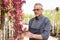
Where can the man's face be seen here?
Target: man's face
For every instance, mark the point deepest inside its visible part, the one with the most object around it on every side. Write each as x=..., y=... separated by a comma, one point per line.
x=38, y=10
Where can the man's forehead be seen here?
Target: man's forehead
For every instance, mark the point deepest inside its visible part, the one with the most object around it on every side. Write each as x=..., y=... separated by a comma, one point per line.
x=37, y=6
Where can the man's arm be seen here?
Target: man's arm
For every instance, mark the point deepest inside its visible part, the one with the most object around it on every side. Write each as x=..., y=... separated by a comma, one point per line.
x=37, y=36
x=47, y=29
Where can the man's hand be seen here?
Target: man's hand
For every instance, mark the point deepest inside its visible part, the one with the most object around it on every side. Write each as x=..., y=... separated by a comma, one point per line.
x=29, y=34
x=36, y=36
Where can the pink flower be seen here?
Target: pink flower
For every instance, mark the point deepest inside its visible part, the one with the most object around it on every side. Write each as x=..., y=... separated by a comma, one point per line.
x=6, y=3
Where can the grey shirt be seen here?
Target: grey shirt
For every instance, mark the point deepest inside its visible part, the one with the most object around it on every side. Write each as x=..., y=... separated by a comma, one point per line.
x=41, y=26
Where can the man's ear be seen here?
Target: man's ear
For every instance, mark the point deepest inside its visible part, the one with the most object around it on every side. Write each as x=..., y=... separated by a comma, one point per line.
x=42, y=10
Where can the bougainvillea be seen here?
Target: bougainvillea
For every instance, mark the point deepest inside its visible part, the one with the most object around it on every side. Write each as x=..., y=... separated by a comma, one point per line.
x=16, y=15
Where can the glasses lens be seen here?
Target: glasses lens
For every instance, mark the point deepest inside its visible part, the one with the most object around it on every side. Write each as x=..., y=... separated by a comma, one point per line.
x=36, y=9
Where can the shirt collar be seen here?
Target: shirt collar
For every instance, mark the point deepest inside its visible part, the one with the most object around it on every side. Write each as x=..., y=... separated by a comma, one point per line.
x=39, y=17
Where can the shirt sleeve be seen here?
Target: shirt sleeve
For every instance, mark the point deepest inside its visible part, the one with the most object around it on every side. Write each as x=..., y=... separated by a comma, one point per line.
x=30, y=23
x=46, y=30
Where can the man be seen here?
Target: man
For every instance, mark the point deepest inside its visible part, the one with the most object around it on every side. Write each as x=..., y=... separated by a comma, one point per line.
x=39, y=26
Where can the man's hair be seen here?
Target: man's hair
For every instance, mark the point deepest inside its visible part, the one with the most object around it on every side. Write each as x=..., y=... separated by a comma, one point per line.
x=38, y=4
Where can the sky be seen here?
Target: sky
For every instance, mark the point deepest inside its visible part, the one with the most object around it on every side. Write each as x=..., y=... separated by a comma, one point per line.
x=47, y=5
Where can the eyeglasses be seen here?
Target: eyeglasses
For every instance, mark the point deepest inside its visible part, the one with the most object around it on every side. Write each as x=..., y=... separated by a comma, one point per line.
x=37, y=9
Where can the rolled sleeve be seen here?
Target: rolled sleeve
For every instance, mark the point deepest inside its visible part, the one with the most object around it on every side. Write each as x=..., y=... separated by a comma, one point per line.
x=46, y=30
